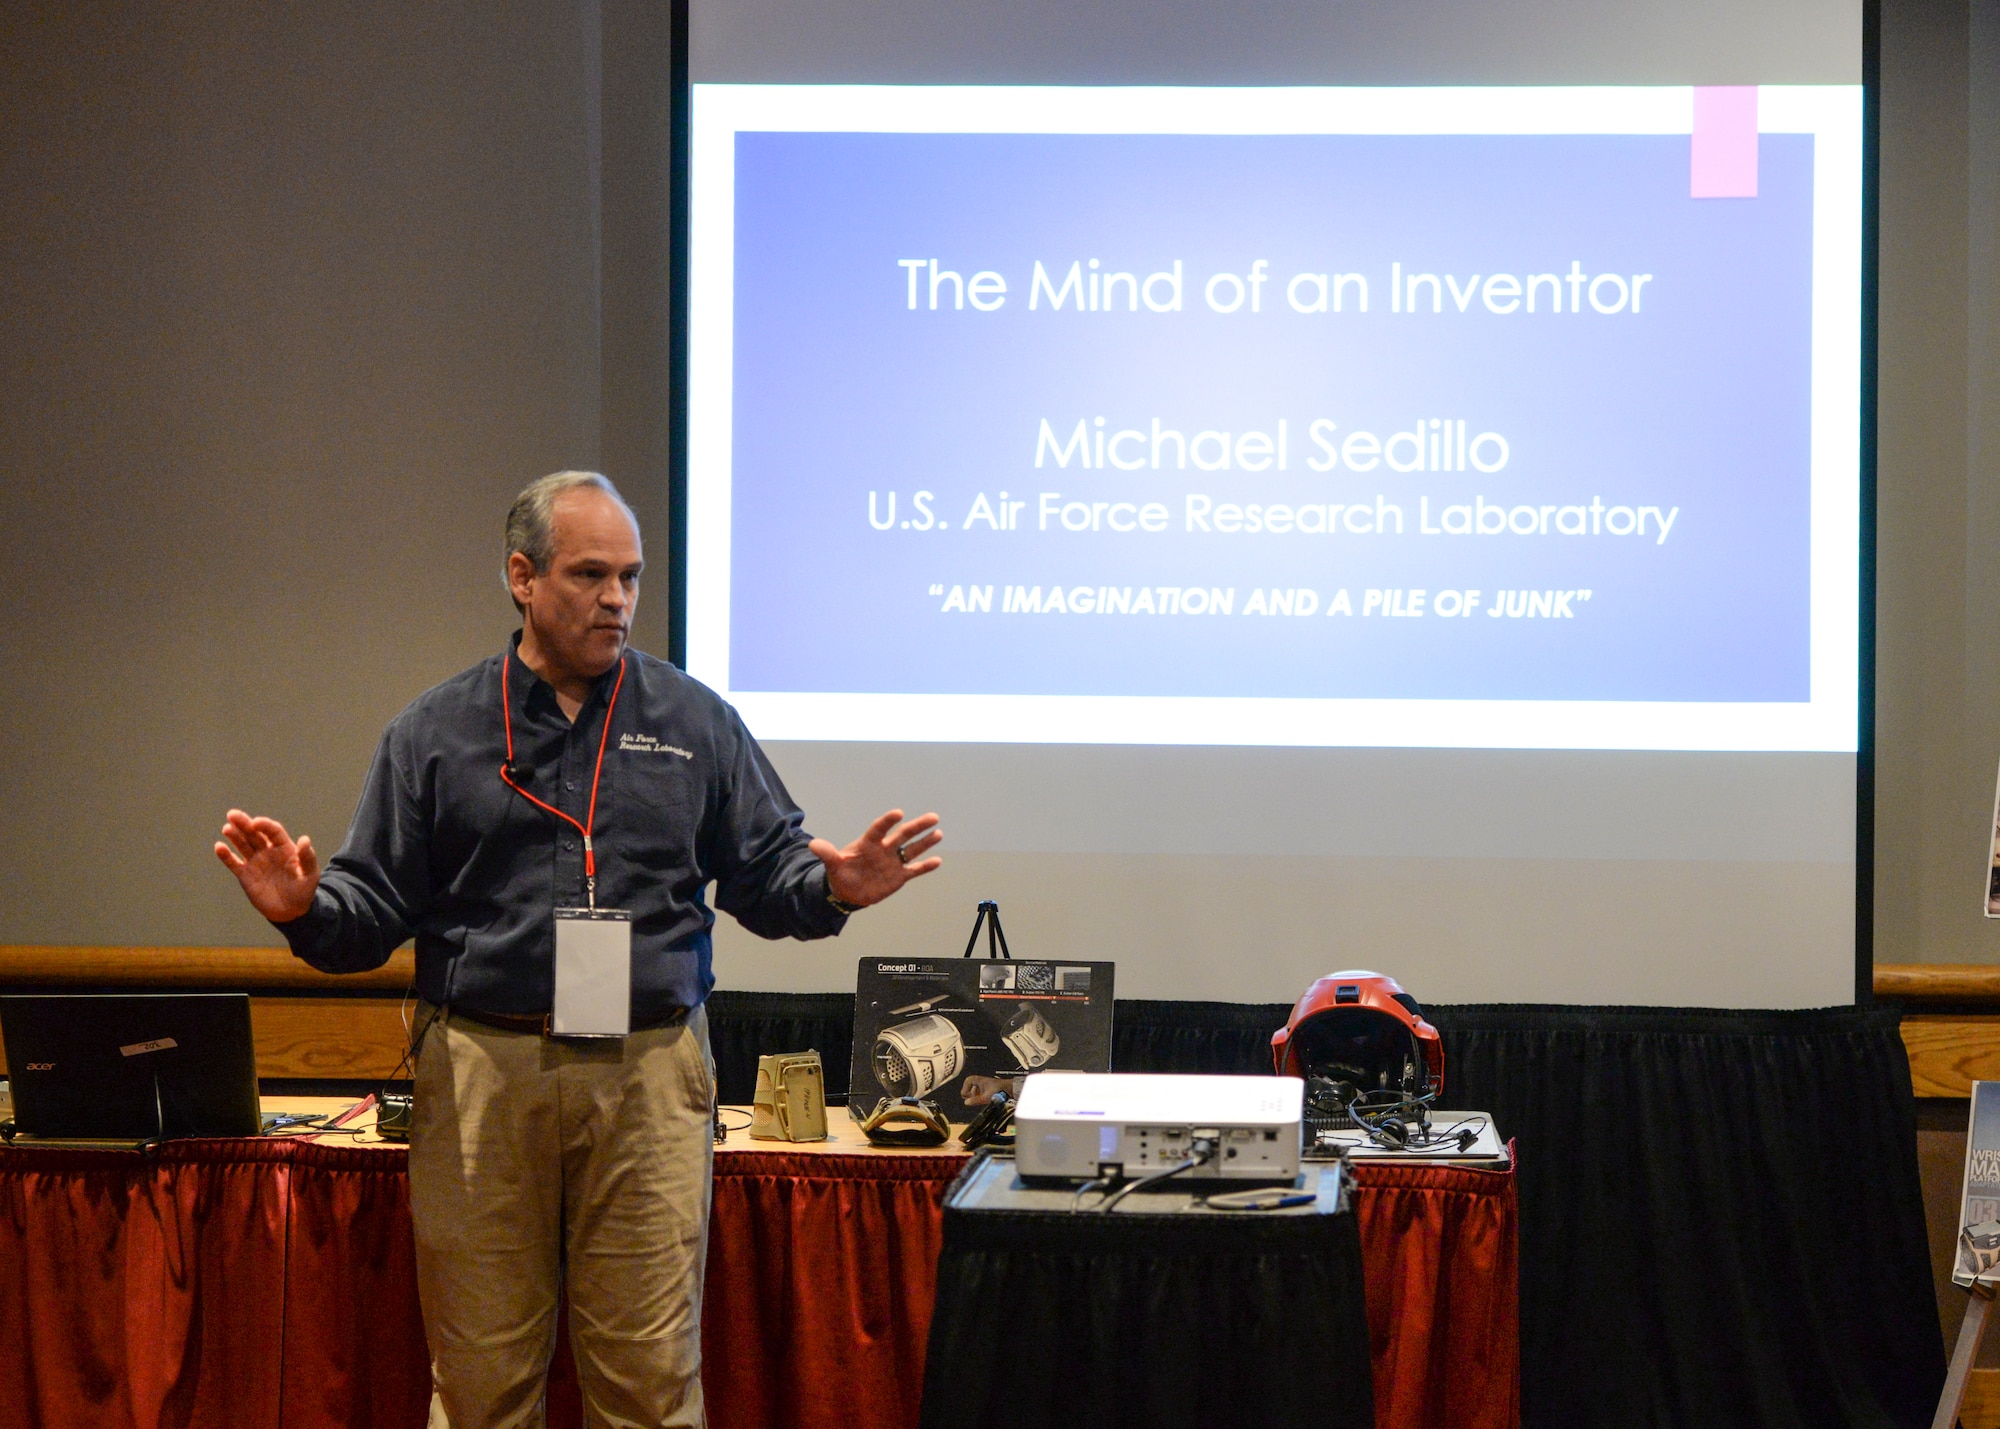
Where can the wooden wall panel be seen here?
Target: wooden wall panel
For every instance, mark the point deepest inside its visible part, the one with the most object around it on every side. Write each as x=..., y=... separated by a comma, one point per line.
x=324, y=1038
x=1981, y=1407
x=1949, y=1054
x=328, y=1037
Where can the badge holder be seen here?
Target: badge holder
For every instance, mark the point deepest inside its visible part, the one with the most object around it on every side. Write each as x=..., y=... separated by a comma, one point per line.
x=593, y=973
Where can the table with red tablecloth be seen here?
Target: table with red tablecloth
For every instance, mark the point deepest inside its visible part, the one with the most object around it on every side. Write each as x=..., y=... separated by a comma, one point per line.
x=272, y=1283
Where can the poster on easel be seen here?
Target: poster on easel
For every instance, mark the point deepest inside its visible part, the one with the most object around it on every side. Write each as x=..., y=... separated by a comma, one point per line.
x=1978, y=1255
x=957, y=1030
x=961, y=1031
x=1993, y=858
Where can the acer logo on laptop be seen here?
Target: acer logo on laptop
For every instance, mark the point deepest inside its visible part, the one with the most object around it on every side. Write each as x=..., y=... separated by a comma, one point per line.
x=39, y=1067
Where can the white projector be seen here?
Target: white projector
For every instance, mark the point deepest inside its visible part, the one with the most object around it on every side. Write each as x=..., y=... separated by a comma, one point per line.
x=1084, y=1124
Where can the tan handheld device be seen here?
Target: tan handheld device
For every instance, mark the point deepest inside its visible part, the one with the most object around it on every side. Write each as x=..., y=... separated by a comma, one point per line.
x=790, y=1102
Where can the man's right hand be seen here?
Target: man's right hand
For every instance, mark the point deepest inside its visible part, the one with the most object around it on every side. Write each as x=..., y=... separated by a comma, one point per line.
x=278, y=876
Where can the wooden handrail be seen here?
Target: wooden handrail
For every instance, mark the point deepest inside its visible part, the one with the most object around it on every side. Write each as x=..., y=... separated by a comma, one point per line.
x=44, y=965
x=53, y=965
x=300, y=1034
x=1938, y=982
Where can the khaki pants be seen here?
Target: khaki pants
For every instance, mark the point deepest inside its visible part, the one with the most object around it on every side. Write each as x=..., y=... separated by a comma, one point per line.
x=539, y=1164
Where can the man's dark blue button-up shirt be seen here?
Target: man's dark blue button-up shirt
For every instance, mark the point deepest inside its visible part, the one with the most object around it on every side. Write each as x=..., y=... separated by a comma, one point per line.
x=441, y=848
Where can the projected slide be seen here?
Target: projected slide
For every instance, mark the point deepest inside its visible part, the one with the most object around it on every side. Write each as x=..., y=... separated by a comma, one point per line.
x=1315, y=417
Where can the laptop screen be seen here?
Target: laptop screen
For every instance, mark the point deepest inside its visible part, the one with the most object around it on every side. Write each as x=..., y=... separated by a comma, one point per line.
x=131, y=1065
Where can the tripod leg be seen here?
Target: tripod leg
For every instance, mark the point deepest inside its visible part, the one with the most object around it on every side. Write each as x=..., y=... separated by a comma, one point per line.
x=996, y=941
x=978, y=922
x=1971, y=1330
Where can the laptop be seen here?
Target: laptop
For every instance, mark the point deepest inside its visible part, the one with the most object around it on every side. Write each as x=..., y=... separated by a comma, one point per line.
x=137, y=1067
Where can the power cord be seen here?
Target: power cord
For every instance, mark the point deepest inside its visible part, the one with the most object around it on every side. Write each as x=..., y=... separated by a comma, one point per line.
x=723, y=1128
x=413, y=1041
x=1461, y=1134
x=394, y=1111
x=1396, y=1122
x=1109, y=1175
x=334, y=1123
x=1201, y=1151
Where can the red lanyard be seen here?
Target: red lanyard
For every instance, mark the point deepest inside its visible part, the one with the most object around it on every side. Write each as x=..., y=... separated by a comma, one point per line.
x=507, y=777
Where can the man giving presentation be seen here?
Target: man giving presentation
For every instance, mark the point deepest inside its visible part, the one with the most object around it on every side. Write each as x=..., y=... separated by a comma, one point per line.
x=539, y=824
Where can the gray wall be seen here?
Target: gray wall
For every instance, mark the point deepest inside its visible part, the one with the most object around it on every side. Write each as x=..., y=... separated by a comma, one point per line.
x=295, y=299
x=1255, y=42
x=1938, y=622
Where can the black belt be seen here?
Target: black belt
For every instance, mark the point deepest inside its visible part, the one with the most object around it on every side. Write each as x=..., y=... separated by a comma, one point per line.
x=538, y=1023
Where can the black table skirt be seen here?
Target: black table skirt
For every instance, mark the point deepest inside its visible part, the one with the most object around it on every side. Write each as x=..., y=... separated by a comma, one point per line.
x=1721, y=1222
x=1148, y=1321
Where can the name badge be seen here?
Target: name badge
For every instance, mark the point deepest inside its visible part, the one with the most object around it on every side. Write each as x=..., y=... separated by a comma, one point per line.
x=593, y=973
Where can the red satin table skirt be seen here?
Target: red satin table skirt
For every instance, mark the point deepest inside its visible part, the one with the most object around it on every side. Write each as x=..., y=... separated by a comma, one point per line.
x=272, y=1283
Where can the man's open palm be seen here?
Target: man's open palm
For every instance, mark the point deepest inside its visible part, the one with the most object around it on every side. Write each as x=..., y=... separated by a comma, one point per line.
x=278, y=875
x=883, y=859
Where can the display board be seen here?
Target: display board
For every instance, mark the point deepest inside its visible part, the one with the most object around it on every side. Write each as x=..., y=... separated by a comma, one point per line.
x=1412, y=494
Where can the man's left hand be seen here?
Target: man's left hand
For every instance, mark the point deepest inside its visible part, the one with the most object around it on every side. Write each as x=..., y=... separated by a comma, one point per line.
x=883, y=859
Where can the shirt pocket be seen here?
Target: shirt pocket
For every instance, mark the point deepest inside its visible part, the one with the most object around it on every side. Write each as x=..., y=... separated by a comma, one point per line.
x=661, y=803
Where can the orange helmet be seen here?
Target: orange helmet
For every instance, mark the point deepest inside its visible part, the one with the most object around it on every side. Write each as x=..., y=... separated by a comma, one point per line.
x=1360, y=1031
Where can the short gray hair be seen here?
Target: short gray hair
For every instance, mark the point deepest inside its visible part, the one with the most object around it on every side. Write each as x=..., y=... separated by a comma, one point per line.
x=531, y=526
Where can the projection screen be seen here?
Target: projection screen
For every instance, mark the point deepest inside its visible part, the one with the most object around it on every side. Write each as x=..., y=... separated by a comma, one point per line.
x=1296, y=488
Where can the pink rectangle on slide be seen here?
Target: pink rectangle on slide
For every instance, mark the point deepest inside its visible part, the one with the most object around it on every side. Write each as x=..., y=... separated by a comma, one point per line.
x=1724, y=161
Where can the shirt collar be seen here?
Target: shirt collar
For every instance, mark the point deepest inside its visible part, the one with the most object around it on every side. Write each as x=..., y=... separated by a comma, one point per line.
x=532, y=695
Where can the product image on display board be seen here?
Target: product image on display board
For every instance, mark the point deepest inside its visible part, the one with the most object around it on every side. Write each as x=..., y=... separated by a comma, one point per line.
x=959, y=1030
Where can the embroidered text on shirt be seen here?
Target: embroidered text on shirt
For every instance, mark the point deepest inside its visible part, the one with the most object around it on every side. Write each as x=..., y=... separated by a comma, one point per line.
x=647, y=744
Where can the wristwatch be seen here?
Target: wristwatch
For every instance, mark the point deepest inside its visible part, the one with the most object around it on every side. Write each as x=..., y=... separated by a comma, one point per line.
x=842, y=906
